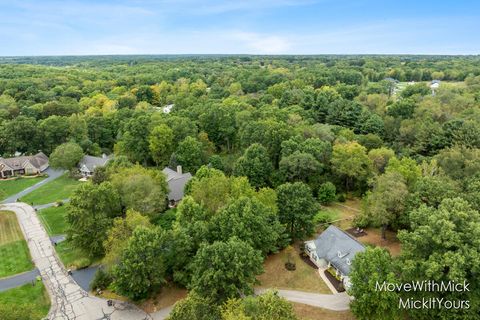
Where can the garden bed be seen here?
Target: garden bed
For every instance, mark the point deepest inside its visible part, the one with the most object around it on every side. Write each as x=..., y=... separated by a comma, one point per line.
x=334, y=281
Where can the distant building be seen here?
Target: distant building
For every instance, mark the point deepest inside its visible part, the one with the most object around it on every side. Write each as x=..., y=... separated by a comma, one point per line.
x=88, y=164
x=168, y=108
x=334, y=248
x=177, y=180
x=434, y=85
x=23, y=165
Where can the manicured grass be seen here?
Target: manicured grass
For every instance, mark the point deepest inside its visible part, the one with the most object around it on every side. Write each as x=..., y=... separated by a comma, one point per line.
x=304, y=278
x=14, y=253
x=58, y=189
x=26, y=302
x=54, y=220
x=72, y=257
x=11, y=187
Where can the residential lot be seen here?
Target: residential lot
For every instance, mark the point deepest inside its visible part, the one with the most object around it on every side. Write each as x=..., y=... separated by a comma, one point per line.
x=14, y=254
x=11, y=187
x=55, y=190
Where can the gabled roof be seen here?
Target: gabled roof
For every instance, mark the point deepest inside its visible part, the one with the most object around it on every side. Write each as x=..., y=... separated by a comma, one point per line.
x=338, y=247
x=176, y=183
x=18, y=163
x=91, y=162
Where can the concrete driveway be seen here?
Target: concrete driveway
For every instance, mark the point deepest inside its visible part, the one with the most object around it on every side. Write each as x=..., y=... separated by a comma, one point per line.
x=335, y=302
x=52, y=175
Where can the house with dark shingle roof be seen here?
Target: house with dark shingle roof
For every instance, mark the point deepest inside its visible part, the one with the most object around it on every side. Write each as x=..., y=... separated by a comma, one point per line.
x=88, y=164
x=23, y=165
x=176, y=180
x=334, y=248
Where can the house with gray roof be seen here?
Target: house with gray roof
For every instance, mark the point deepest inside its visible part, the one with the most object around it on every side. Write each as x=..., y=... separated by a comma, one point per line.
x=177, y=180
x=23, y=165
x=88, y=164
x=334, y=248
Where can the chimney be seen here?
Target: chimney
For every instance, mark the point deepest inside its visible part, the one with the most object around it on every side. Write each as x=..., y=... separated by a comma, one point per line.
x=179, y=169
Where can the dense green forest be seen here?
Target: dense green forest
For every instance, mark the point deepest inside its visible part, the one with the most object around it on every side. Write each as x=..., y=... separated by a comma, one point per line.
x=268, y=140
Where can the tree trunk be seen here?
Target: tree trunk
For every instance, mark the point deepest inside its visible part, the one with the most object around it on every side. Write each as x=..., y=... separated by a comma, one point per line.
x=384, y=230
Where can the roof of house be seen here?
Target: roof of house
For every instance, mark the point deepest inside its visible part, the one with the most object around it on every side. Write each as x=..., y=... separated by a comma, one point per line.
x=17, y=163
x=176, y=183
x=338, y=247
x=91, y=162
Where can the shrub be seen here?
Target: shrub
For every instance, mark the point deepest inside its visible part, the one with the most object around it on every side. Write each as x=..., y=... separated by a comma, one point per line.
x=324, y=216
x=101, y=280
x=342, y=197
x=327, y=192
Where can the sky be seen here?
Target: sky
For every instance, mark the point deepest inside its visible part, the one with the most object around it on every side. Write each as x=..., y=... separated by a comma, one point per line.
x=89, y=27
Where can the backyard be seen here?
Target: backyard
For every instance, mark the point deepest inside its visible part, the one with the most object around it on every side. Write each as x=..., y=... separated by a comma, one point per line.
x=58, y=189
x=11, y=187
x=26, y=302
x=14, y=253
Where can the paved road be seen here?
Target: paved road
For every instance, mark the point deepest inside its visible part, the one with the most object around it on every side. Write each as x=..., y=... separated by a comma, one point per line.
x=52, y=175
x=18, y=280
x=69, y=300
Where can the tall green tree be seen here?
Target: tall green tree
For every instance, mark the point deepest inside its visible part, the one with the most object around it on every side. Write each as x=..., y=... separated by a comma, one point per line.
x=351, y=162
x=161, y=144
x=90, y=214
x=66, y=156
x=250, y=221
x=142, y=266
x=386, y=204
x=442, y=245
x=296, y=209
x=224, y=270
x=255, y=165
x=189, y=154
x=371, y=269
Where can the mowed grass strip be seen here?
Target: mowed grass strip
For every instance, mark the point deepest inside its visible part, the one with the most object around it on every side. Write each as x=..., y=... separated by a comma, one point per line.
x=54, y=220
x=26, y=302
x=58, y=189
x=71, y=257
x=14, y=253
x=11, y=187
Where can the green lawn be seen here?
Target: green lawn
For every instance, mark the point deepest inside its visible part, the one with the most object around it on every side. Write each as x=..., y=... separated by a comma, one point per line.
x=26, y=302
x=54, y=220
x=58, y=189
x=14, y=253
x=11, y=187
x=72, y=257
